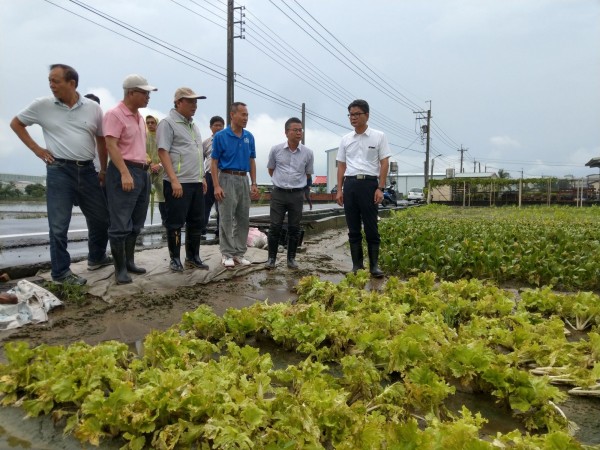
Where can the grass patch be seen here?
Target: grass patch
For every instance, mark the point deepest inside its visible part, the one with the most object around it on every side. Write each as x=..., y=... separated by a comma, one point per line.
x=68, y=293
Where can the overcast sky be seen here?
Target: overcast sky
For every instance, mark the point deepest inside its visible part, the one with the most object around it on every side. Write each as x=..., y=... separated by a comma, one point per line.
x=516, y=82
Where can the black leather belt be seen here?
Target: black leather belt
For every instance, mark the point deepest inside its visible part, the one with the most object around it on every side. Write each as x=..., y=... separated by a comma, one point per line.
x=362, y=177
x=277, y=188
x=241, y=173
x=136, y=164
x=72, y=161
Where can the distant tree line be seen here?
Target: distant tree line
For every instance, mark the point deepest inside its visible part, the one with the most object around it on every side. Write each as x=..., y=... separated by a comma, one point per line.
x=10, y=191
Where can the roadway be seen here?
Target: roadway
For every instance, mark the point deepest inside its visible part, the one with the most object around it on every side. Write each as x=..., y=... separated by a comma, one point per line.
x=24, y=231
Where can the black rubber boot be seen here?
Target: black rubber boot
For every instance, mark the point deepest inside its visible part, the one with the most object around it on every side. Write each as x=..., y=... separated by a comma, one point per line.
x=117, y=248
x=373, y=261
x=291, y=252
x=356, y=250
x=162, y=209
x=192, y=249
x=129, y=252
x=273, y=241
x=174, y=244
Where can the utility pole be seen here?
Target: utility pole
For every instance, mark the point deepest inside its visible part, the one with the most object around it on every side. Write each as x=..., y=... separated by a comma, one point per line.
x=474, y=165
x=462, y=151
x=303, y=124
x=426, y=129
x=427, y=144
x=521, y=188
x=230, y=37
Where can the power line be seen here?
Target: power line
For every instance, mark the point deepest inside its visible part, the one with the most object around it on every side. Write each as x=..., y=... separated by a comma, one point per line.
x=141, y=43
x=212, y=12
x=451, y=143
x=414, y=105
x=443, y=136
x=354, y=70
x=198, y=14
x=190, y=61
x=138, y=32
x=373, y=83
x=325, y=82
x=286, y=67
x=278, y=41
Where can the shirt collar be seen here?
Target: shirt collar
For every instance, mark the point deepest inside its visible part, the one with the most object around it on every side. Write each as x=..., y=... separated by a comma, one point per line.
x=178, y=117
x=124, y=109
x=287, y=145
x=366, y=132
x=79, y=101
x=229, y=131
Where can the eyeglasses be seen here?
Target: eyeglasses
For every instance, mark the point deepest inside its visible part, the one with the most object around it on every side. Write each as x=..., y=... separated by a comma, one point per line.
x=141, y=91
x=356, y=114
x=296, y=130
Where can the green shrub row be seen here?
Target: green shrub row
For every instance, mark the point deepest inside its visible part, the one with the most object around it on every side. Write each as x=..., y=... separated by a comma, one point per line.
x=555, y=246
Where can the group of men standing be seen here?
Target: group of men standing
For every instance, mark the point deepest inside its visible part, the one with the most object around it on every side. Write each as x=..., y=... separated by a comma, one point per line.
x=188, y=174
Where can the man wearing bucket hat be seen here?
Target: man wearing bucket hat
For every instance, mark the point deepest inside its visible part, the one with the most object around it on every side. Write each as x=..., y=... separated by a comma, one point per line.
x=181, y=154
x=127, y=178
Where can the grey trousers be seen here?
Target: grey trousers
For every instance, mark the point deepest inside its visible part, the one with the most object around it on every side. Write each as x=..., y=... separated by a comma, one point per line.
x=234, y=215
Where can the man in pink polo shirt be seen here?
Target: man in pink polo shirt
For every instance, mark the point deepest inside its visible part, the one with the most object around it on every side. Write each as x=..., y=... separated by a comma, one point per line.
x=127, y=178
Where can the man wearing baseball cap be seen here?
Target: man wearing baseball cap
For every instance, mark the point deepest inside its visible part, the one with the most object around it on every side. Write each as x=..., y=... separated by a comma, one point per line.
x=181, y=154
x=127, y=178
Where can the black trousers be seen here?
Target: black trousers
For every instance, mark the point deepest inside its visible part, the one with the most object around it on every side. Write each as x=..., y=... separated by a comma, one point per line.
x=209, y=201
x=360, y=209
x=185, y=210
x=282, y=202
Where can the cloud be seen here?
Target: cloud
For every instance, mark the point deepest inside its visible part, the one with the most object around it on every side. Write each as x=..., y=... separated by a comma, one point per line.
x=499, y=58
x=10, y=144
x=581, y=155
x=15, y=156
x=504, y=142
x=5, y=149
x=107, y=99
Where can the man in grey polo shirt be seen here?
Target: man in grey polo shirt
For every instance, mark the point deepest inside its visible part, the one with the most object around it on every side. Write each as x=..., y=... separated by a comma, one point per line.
x=181, y=154
x=72, y=126
x=289, y=164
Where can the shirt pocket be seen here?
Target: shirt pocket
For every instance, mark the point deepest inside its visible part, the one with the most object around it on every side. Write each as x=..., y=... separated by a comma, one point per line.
x=372, y=153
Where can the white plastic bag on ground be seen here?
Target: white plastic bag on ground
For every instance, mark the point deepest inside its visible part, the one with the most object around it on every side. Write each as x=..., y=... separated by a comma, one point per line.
x=256, y=238
x=33, y=306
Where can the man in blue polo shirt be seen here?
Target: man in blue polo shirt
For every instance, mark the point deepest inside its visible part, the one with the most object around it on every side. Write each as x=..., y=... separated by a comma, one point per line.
x=72, y=126
x=233, y=157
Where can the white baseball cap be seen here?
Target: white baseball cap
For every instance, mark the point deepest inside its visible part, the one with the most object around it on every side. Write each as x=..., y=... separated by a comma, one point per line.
x=137, y=82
